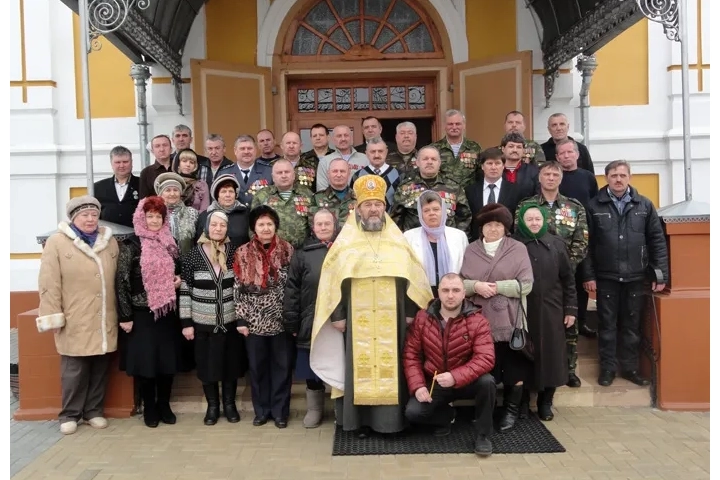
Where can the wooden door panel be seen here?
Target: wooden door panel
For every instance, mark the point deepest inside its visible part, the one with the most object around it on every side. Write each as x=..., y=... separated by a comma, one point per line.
x=230, y=99
x=485, y=91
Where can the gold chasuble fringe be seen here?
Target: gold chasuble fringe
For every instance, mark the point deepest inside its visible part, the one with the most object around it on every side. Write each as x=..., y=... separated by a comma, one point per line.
x=353, y=257
x=375, y=347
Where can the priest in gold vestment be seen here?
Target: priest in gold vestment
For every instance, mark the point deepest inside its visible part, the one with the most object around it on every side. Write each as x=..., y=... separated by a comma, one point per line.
x=371, y=286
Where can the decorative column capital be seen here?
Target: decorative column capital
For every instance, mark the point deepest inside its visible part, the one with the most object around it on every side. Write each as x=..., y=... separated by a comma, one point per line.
x=586, y=65
x=140, y=72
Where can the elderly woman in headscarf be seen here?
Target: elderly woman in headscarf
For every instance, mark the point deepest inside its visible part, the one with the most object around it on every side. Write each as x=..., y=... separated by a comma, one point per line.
x=224, y=191
x=77, y=302
x=196, y=192
x=498, y=276
x=207, y=314
x=148, y=275
x=439, y=247
x=261, y=270
x=299, y=307
x=169, y=186
x=551, y=306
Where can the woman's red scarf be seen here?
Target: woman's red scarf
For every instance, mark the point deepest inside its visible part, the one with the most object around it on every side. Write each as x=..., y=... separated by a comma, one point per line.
x=158, y=252
x=255, y=265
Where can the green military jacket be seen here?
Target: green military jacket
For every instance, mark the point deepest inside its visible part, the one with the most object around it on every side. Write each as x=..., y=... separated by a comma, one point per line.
x=293, y=212
x=329, y=199
x=569, y=220
x=305, y=171
x=404, y=211
x=403, y=162
x=463, y=168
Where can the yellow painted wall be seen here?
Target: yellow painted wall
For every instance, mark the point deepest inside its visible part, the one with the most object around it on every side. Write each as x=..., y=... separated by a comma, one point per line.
x=491, y=28
x=231, y=31
x=112, y=92
x=622, y=75
x=647, y=184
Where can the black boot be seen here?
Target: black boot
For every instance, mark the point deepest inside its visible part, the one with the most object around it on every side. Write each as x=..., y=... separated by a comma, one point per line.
x=524, y=404
x=511, y=408
x=229, y=391
x=213, y=398
x=544, y=404
x=150, y=411
x=137, y=396
x=164, y=387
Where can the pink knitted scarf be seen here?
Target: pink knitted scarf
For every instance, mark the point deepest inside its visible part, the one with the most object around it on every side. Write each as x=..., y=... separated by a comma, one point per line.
x=158, y=252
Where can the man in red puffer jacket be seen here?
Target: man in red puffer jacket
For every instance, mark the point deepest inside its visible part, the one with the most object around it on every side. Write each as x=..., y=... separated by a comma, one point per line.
x=450, y=337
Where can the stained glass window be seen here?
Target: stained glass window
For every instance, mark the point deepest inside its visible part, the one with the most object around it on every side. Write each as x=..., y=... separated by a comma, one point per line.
x=389, y=28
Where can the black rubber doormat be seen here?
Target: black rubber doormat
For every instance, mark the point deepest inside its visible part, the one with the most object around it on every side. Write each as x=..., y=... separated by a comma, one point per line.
x=528, y=436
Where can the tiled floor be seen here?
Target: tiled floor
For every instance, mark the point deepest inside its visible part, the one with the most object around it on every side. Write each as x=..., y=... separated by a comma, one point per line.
x=601, y=443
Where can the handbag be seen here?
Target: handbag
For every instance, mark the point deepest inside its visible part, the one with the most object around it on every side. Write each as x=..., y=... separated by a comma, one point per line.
x=520, y=339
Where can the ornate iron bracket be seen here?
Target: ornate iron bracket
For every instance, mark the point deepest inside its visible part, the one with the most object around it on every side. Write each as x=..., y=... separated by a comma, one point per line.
x=107, y=16
x=178, y=85
x=585, y=34
x=665, y=12
x=550, y=78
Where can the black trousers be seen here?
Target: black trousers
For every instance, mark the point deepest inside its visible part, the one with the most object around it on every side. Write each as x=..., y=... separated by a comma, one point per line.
x=83, y=381
x=620, y=308
x=440, y=413
x=270, y=359
x=582, y=298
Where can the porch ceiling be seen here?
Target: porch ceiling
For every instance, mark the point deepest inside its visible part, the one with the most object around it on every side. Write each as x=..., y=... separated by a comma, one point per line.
x=570, y=27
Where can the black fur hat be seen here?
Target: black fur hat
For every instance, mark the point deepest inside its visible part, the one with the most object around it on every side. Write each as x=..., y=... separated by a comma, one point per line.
x=261, y=211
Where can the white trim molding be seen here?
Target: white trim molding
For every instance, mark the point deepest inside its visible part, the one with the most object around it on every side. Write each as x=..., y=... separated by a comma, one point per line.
x=452, y=18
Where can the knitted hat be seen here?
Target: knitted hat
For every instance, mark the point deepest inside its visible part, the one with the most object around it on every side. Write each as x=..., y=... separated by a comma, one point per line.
x=495, y=212
x=263, y=211
x=79, y=204
x=221, y=181
x=169, y=179
x=369, y=187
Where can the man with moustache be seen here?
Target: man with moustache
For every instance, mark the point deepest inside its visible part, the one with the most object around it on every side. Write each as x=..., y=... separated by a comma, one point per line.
x=517, y=171
x=371, y=286
x=627, y=258
x=515, y=123
x=342, y=138
x=405, y=156
x=377, y=153
x=118, y=195
x=567, y=217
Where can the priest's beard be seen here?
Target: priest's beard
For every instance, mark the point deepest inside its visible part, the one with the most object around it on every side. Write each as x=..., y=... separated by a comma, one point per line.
x=373, y=224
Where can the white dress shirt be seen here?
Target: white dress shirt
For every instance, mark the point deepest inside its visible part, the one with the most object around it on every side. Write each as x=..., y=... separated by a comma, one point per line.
x=486, y=190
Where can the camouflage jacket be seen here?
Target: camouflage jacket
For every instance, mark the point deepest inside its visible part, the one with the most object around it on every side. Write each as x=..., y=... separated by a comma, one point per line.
x=404, y=211
x=403, y=162
x=329, y=199
x=567, y=219
x=463, y=168
x=306, y=169
x=293, y=212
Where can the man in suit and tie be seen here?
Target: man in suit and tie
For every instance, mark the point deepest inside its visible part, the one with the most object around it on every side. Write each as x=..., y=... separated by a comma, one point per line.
x=492, y=188
x=252, y=175
x=119, y=195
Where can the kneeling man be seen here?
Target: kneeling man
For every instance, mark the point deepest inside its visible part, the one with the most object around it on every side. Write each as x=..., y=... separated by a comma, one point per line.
x=452, y=338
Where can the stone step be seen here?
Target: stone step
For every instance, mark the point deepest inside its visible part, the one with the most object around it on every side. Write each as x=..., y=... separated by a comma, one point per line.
x=188, y=395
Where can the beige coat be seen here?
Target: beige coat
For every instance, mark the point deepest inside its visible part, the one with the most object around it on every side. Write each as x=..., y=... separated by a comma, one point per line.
x=77, y=292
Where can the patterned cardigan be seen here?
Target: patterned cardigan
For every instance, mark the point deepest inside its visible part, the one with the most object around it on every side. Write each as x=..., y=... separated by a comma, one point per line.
x=206, y=300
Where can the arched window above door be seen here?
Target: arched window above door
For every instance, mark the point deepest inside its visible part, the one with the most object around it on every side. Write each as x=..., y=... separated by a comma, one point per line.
x=362, y=29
